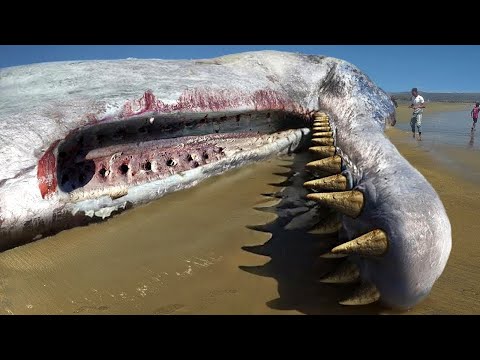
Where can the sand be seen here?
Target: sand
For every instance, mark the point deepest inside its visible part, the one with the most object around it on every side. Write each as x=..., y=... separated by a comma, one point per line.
x=183, y=253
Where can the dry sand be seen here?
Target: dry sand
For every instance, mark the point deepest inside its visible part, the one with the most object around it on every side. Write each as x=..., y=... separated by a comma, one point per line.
x=182, y=253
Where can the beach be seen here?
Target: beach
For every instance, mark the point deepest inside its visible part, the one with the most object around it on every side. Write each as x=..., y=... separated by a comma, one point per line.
x=185, y=253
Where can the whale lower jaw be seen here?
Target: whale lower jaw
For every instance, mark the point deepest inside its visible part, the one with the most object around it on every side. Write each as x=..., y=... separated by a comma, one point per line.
x=83, y=205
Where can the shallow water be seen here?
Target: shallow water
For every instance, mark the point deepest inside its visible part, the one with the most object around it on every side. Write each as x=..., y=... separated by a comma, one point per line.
x=448, y=139
x=447, y=128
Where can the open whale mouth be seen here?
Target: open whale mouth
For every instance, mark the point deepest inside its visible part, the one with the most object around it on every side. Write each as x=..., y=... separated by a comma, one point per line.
x=109, y=157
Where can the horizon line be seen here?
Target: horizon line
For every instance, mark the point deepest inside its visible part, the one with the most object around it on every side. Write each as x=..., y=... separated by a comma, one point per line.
x=436, y=92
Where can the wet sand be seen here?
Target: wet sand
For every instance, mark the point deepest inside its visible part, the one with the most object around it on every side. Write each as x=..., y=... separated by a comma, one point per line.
x=182, y=254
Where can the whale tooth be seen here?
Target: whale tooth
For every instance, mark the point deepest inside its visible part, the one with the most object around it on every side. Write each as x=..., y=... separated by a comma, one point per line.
x=347, y=202
x=347, y=272
x=321, y=128
x=321, y=123
x=322, y=141
x=373, y=243
x=330, y=165
x=366, y=294
x=323, y=134
x=329, y=225
x=334, y=182
x=322, y=151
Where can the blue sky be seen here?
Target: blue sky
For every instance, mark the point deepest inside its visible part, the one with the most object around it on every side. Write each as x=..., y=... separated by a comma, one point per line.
x=443, y=68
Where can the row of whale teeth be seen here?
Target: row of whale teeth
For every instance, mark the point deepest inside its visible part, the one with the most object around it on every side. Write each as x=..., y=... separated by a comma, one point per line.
x=330, y=188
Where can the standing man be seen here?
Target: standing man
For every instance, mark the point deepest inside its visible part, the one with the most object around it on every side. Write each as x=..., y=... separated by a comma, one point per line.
x=417, y=106
x=474, y=114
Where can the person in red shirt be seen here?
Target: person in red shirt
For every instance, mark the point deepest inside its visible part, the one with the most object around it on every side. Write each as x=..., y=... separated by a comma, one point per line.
x=474, y=114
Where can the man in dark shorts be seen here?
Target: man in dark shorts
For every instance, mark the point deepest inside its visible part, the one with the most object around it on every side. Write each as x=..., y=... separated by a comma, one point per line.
x=474, y=114
x=418, y=104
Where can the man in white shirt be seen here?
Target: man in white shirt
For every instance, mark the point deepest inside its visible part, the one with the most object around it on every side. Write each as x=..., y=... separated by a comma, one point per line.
x=418, y=104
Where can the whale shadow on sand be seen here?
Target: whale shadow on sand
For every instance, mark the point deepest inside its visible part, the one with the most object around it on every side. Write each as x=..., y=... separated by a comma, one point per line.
x=294, y=253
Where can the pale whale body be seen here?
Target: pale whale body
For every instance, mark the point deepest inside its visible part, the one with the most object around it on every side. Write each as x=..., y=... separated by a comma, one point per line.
x=80, y=141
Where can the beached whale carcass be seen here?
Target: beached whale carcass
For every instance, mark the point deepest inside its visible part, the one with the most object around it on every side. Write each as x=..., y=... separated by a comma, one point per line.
x=81, y=141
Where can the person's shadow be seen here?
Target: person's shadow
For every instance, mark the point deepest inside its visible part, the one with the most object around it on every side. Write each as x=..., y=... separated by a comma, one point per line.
x=294, y=253
x=472, y=139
